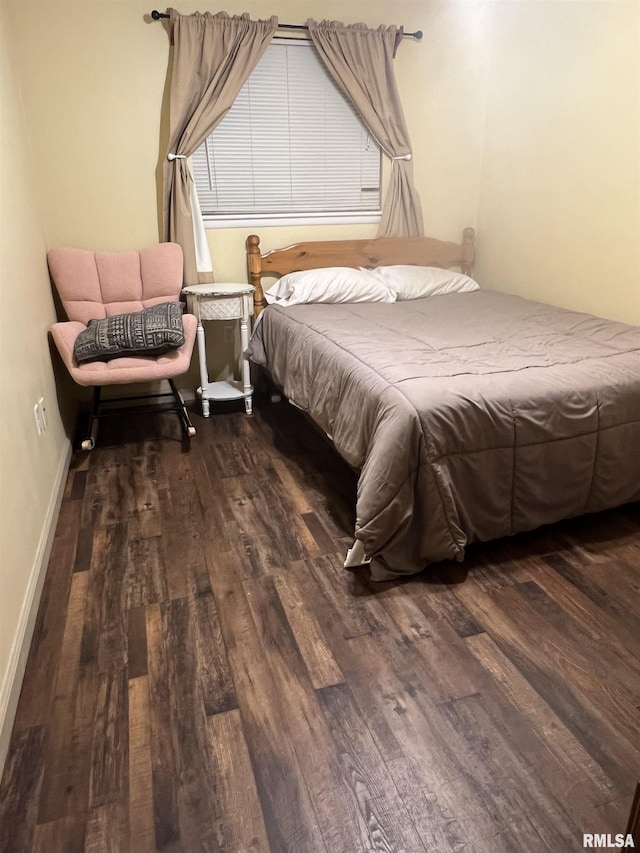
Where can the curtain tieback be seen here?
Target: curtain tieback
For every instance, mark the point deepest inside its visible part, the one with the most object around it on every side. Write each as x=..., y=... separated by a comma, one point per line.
x=402, y=157
x=176, y=156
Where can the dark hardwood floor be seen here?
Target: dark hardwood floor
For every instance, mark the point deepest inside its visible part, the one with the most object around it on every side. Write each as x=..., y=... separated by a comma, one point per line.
x=205, y=676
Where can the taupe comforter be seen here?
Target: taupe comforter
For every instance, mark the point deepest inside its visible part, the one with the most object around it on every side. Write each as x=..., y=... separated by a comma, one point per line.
x=470, y=416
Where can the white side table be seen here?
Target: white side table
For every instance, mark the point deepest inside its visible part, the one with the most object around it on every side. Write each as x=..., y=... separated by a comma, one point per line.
x=222, y=302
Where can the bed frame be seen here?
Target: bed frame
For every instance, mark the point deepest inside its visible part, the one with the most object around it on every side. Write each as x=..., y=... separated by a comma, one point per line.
x=382, y=251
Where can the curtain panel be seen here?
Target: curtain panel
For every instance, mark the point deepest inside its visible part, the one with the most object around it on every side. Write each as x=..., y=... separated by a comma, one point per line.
x=360, y=60
x=213, y=55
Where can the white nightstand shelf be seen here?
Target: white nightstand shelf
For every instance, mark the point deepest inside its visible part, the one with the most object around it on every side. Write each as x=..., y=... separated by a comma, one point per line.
x=222, y=302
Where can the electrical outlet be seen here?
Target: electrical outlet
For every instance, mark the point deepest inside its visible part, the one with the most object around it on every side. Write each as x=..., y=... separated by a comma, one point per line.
x=229, y=334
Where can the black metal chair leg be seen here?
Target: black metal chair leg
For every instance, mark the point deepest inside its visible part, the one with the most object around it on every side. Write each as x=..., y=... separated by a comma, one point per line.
x=188, y=427
x=90, y=443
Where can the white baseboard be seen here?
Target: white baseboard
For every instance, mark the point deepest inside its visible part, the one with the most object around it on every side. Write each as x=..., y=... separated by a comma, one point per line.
x=12, y=681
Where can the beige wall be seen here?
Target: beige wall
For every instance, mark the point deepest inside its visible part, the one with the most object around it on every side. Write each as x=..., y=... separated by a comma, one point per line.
x=31, y=466
x=559, y=211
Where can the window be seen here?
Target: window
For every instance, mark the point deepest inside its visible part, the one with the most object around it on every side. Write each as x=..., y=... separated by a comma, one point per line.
x=291, y=150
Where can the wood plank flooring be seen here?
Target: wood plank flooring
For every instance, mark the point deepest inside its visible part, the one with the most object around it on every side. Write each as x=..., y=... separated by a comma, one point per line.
x=205, y=676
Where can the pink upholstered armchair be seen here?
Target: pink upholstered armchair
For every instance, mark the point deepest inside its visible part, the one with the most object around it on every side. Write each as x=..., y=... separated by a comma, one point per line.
x=94, y=285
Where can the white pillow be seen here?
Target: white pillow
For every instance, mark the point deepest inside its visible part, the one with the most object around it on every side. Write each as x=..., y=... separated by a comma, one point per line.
x=413, y=282
x=330, y=284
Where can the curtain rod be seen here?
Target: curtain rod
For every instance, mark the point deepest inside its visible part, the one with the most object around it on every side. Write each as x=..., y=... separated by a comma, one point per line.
x=417, y=35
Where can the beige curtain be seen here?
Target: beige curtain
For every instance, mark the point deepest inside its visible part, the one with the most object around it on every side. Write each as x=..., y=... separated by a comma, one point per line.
x=360, y=61
x=213, y=55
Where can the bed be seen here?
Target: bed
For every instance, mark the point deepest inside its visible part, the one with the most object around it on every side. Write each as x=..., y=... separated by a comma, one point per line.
x=470, y=415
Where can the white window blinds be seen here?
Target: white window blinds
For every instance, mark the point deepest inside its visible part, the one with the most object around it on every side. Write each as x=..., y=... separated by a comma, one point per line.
x=290, y=145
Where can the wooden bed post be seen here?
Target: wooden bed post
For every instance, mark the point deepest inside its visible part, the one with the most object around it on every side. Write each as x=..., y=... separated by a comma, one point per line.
x=468, y=250
x=254, y=268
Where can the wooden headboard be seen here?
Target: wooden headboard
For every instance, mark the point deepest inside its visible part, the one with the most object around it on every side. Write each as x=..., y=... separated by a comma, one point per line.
x=382, y=251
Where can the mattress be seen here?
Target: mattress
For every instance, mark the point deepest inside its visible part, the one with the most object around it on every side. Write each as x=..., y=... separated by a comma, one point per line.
x=469, y=416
